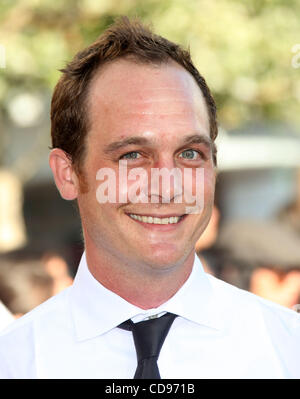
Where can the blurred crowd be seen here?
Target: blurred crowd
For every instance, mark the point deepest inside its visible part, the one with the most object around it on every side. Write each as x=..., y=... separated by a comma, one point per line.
x=262, y=257
x=27, y=279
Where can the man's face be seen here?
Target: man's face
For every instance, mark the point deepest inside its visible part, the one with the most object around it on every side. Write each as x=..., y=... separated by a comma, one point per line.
x=152, y=117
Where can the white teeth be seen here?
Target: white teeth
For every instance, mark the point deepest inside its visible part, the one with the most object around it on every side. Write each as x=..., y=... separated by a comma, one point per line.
x=155, y=220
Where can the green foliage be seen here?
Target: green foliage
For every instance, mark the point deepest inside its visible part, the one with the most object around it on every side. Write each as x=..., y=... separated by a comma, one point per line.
x=243, y=48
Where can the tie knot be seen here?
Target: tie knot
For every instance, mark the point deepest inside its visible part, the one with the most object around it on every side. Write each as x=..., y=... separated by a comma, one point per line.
x=149, y=335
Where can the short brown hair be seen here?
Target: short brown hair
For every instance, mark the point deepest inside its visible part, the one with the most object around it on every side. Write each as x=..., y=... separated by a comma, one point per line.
x=124, y=39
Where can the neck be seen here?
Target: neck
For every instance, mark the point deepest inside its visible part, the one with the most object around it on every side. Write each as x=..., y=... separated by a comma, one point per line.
x=138, y=283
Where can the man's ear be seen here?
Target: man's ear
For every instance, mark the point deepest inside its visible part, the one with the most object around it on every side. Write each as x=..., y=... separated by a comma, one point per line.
x=64, y=175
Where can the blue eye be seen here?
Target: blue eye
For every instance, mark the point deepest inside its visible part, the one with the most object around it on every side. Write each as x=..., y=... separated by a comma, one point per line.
x=189, y=154
x=131, y=155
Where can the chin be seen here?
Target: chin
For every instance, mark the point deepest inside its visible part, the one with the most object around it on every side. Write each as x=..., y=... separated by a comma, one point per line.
x=165, y=258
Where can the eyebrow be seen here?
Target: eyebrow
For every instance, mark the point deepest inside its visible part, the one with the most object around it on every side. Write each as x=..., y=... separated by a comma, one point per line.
x=137, y=140
x=117, y=145
x=199, y=139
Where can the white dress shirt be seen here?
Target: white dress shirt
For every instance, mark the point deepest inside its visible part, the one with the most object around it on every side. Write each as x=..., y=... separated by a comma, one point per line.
x=220, y=332
x=6, y=316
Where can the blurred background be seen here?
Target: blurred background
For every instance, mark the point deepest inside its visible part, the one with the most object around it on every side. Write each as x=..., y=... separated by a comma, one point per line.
x=249, y=53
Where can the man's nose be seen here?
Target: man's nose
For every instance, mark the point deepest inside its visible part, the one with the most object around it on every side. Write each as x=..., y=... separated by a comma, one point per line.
x=164, y=160
x=165, y=181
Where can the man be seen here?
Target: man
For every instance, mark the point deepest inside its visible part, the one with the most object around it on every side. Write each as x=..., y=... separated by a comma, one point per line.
x=135, y=99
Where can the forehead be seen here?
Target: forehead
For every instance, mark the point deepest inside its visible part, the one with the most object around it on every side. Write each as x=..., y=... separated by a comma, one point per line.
x=125, y=95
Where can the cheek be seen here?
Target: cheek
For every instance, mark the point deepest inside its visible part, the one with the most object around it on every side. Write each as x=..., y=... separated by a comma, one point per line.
x=199, y=186
x=132, y=188
x=209, y=182
x=136, y=186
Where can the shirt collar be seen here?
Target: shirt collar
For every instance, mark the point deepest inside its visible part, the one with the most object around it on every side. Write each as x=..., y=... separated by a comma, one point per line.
x=96, y=310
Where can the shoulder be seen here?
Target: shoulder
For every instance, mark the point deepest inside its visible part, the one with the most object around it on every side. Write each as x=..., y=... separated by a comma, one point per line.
x=18, y=340
x=55, y=304
x=258, y=319
x=245, y=302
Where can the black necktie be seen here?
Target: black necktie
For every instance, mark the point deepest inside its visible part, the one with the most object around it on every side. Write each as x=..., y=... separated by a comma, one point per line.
x=149, y=337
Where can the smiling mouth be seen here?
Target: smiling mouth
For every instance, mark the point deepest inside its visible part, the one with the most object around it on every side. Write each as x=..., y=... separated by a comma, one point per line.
x=156, y=220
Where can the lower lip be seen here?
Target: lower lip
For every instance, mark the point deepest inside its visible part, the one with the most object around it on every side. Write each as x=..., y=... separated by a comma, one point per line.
x=160, y=227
